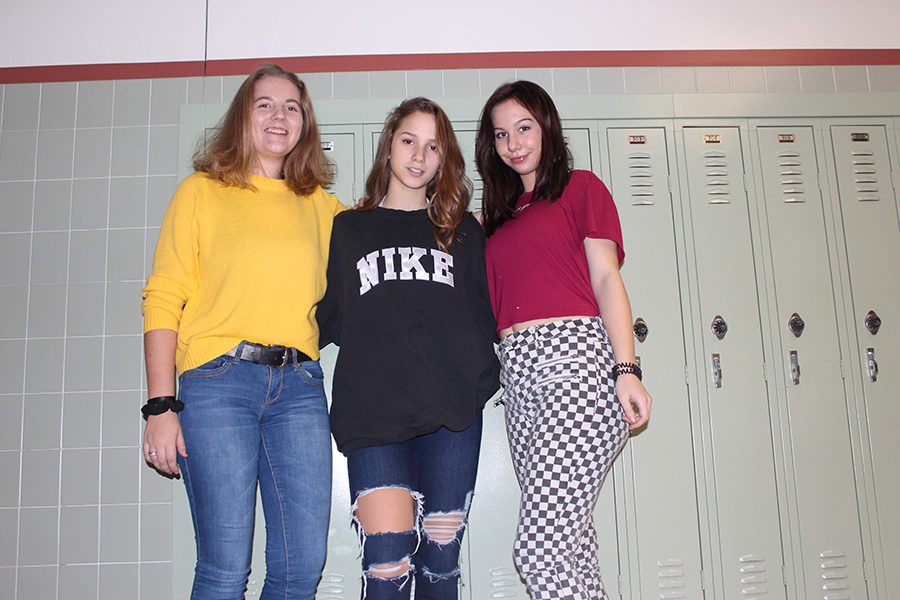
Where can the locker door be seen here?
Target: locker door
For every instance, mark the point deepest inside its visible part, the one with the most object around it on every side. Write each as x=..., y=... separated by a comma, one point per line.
x=661, y=510
x=744, y=526
x=342, y=145
x=820, y=484
x=868, y=209
x=465, y=136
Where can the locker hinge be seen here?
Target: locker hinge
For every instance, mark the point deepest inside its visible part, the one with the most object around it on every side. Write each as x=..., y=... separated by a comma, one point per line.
x=619, y=581
x=819, y=178
x=865, y=566
x=669, y=183
x=765, y=377
x=687, y=380
x=784, y=576
x=746, y=180
x=841, y=365
x=702, y=581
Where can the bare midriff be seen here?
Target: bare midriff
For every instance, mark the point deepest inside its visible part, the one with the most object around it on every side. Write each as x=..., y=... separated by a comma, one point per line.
x=526, y=324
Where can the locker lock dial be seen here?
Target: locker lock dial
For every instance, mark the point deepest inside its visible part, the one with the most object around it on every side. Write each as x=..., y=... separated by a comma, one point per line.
x=719, y=326
x=873, y=322
x=796, y=324
x=640, y=329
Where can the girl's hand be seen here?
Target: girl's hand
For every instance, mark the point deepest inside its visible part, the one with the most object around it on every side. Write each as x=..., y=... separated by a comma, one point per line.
x=634, y=400
x=162, y=440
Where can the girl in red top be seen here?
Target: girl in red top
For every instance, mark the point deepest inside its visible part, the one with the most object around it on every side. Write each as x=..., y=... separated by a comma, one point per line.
x=572, y=389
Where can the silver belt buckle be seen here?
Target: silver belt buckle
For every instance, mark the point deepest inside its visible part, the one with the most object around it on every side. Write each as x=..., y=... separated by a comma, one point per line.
x=285, y=353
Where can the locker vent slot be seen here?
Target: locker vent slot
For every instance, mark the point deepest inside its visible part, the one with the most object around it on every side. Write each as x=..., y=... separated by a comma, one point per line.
x=834, y=574
x=640, y=173
x=866, y=176
x=792, y=189
x=716, y=170
x=504, y=581
x=670, y=576
x=753, y=576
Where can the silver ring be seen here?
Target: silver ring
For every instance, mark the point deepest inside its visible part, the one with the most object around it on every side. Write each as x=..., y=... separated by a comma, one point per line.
x=152, y=453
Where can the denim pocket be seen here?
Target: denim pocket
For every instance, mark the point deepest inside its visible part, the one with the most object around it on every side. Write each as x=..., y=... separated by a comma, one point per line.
x=311, y=371
x=213, y=368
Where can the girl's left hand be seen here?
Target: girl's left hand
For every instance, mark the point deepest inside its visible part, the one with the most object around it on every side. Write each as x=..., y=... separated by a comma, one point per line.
x=634, y=400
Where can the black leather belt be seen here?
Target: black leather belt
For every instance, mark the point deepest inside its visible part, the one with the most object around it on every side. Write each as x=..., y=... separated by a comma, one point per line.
x=271, y=356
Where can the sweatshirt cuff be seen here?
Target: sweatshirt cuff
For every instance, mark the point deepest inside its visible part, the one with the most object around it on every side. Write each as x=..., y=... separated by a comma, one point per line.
x=157, y=318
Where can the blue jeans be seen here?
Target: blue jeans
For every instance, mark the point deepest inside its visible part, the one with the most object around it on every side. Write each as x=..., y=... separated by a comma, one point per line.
x=439, y=471
x=246, y=424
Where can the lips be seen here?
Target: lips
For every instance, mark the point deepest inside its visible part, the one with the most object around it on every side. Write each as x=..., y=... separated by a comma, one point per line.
x=415, y=171
x=276, y=130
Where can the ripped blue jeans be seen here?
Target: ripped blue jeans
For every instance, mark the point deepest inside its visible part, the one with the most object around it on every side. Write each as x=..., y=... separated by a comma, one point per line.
x=438, y=469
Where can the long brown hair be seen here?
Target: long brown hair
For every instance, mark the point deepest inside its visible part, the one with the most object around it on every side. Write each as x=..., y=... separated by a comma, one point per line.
x=502, y=185
x=450, y=190
x=228, y=156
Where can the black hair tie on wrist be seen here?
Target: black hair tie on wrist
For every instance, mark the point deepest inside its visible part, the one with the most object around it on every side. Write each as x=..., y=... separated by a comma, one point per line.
x=161, y=404
x=627, y=368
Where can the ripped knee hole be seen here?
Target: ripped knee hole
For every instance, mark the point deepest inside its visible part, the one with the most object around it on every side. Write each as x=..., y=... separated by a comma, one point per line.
x=441, y=528
x=390, y=570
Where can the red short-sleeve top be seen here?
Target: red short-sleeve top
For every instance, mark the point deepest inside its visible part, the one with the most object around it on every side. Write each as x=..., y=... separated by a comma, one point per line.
x=536, y=265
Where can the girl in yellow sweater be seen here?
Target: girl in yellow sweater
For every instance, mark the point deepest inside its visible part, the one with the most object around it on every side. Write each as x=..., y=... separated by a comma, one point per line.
x=230, y=308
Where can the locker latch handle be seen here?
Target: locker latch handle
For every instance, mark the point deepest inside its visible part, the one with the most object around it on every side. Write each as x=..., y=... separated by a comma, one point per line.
x=719, y=327
x=717, y=370
x=872, y=322
x=873, y=365
x=796, y=324
x=640, y=329
x=795, y=367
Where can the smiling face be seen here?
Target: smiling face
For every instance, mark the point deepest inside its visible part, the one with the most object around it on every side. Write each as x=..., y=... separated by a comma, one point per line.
x=414, y=158
x=517, y=139
x=276, y=123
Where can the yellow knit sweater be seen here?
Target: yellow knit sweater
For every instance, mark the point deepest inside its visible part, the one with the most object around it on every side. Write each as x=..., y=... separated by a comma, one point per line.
x=234, y=264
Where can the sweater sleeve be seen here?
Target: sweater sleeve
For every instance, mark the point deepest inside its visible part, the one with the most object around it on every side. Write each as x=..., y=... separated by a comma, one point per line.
x=481, y=300
x=175, y=263
x=328, y=313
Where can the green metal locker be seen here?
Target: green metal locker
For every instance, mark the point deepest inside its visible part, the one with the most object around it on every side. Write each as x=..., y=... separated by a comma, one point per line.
x=742, y=501
x=868, y=212
x=814, y=419
x=662, y=555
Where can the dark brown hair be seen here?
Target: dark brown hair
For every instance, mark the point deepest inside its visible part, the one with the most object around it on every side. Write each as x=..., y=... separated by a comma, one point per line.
x=502, y=185
x=450, y=190
x=229, y=155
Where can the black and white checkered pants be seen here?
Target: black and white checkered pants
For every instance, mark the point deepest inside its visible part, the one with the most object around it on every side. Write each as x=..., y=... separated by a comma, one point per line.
x=565, y=427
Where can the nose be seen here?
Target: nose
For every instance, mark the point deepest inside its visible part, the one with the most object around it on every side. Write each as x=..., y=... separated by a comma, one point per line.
x=512, y=143
x=418, y=153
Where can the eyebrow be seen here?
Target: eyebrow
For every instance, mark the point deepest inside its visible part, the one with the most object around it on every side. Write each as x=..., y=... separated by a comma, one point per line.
x=297, y=102
x=517, y=122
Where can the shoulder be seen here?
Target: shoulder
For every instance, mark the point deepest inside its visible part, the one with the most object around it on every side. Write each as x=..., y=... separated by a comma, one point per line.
x=197, y=183
x=470, y=229
x=585, y=179
x=584, y=185
x=327, y=201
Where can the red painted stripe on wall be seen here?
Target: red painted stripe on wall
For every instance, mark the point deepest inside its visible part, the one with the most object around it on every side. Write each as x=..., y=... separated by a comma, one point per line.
x=474, y=60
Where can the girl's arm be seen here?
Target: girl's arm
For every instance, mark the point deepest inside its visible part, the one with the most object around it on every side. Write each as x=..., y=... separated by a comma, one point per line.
x=163, y=432
x=615, y=309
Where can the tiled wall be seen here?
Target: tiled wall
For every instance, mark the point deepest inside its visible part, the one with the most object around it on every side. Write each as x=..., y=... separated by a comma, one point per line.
x=86, y=171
